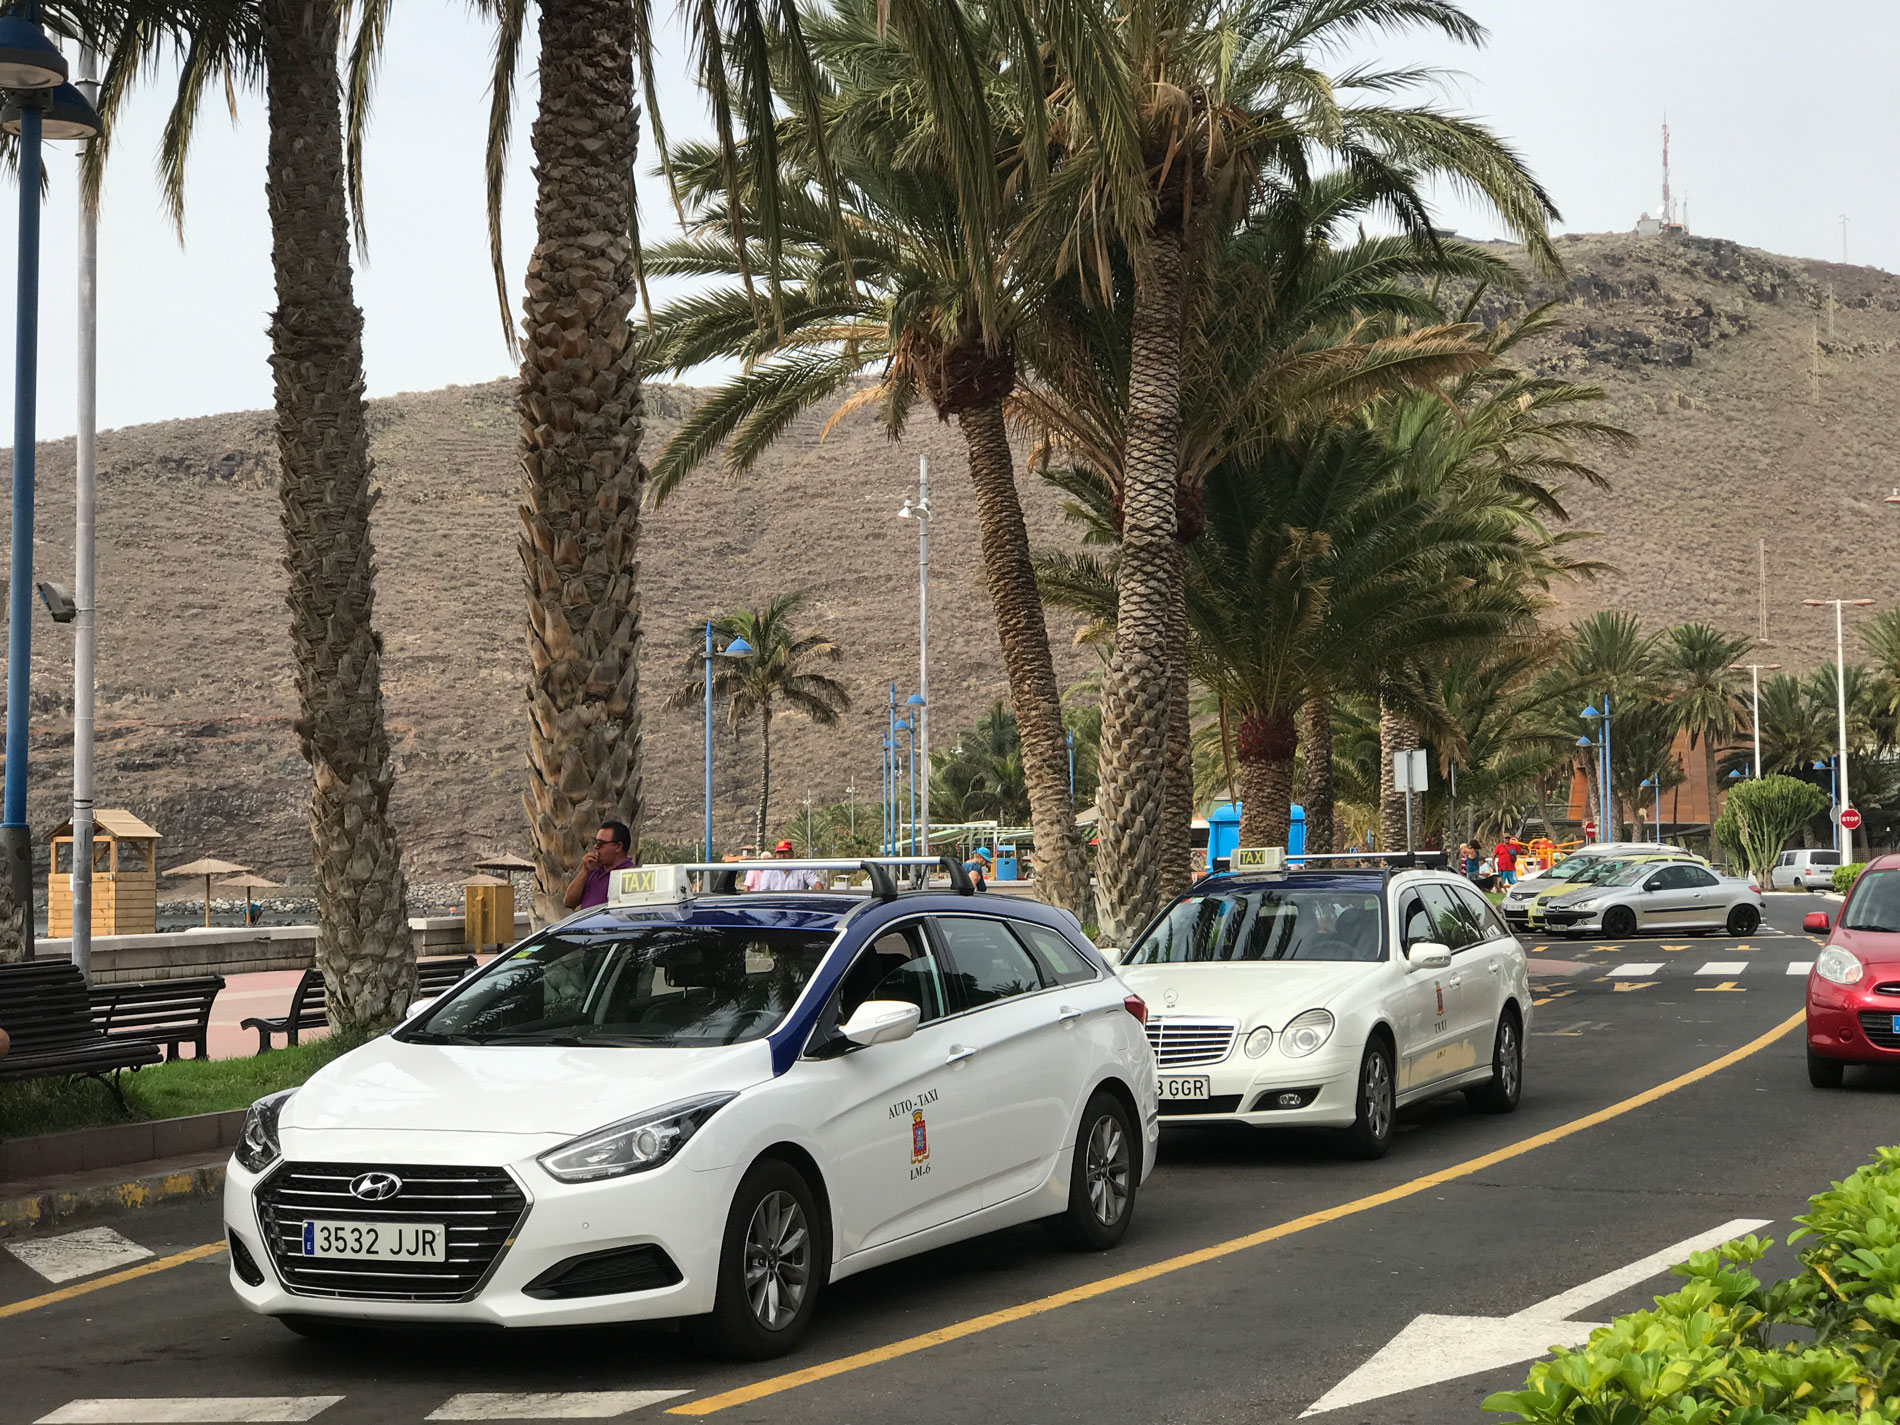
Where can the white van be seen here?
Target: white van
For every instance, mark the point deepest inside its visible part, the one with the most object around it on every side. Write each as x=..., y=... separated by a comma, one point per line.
x=1805, y=870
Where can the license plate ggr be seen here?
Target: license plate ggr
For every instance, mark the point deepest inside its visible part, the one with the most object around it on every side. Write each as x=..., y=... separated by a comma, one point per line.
x=1188, y=1088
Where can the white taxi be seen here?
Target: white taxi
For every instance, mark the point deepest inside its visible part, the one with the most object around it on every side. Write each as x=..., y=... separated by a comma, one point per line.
x=1330, y=998
x=703, y=1104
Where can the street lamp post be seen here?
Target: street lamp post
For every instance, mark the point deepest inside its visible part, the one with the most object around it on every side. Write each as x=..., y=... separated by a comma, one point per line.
x=891, y=716
x=921, y=698
x=908, y=837
x=1071, y=740
x=1584, y=742
x=1844, y=801
x=851, y=801
x=39, y=105
x=1833, y=784
x=1754, y=715
x=738, y=648
x=1656, y=782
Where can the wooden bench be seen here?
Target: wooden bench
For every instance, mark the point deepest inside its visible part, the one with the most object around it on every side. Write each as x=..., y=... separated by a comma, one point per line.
x=167, y=1012
x=47, y=1013
x=309, y=1008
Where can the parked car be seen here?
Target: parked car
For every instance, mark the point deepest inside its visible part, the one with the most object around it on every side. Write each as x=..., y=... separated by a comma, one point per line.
x=703, y=1105
x=1528, y=912
x=1650, y=894
x=1330, y=998
x=1805, y=870
x=1853, y=1005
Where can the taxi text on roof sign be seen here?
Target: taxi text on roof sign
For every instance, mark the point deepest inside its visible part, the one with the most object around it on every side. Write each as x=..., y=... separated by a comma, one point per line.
x=1259, y=858
x=648, y=885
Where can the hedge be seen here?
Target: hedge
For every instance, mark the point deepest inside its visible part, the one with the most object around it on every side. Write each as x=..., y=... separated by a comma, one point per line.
x=1844, y=876
x=1820, y=1348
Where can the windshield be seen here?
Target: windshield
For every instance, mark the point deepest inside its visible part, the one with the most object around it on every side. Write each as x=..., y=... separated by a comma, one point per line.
x=668, y=985
x=1625, y=873
x=1283, y=923
x=1874, y=903
x=1570, y=870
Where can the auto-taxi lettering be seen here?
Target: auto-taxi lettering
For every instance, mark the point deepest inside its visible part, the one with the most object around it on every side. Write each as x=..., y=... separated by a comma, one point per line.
x=907, y=1106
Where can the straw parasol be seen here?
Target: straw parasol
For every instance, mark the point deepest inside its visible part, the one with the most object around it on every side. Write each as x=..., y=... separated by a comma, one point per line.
x=485, y=881
x=207, y=867
x=505, y=863
x=248, y=882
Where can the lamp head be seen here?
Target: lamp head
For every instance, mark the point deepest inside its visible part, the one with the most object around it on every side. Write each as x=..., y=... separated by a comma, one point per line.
x=1585, y=742
x=738, y=648
x=915, y=700
x=1590, y=711
x=64, y=114
x=28, y=59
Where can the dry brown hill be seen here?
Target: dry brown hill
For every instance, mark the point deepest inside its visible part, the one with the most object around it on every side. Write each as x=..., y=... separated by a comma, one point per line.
x=1749, y=431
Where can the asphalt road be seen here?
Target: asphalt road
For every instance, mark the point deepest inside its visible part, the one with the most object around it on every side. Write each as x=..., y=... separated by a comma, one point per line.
x=1261, y=1274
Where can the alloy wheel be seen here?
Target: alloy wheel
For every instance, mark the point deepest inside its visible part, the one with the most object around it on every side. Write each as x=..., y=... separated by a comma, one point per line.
x=1375, y=1088
x=1510, y=1061
x=1107, y=1168
x=777, y=1260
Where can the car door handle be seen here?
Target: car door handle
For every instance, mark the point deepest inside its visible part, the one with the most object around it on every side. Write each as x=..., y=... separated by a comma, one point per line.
x=1492, y=966
x=959, y=1052
x=1067, y=1015
x=1457, y=980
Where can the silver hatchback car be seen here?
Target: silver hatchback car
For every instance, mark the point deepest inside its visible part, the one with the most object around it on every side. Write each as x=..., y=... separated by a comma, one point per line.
x=1668, y=896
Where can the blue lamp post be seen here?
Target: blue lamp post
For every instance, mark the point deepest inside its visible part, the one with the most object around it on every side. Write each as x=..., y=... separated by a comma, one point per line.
x=1656, y=782
x=909, y=834
x=1071, y=740
x=920, y=793
x=738, y=648
x=890, y=713
x=1584, y=742
x=39, y=105
x=1833, y=799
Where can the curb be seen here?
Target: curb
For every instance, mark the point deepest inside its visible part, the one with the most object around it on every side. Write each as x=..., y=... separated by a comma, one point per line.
x=35, y=1211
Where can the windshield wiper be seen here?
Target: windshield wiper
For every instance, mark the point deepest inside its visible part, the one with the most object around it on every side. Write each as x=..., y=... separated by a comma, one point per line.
x=430, y=1036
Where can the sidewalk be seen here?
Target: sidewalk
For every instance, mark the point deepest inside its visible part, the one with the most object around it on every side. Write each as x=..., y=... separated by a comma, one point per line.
x=265, y=994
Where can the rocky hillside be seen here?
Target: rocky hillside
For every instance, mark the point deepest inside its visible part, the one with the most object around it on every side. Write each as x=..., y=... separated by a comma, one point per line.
x=1766, y=413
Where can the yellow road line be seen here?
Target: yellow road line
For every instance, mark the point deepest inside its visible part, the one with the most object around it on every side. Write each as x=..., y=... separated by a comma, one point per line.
x=67, y=1293
x=810, y=1375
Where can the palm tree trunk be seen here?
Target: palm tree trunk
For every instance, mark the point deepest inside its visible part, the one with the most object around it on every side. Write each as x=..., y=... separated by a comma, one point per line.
x=1266, y=745
x=1131, y=800
x=363, y=945
x=765, y=776
x=1396, y=734
x=1316, y=737
x=579, y=403
x=1177, y=831
x=1062, y=873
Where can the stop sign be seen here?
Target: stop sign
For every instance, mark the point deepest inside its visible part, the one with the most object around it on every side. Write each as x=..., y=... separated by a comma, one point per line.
x=1850, y=818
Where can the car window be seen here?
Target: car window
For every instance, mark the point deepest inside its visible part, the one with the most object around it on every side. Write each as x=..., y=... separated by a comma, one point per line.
x=1455, y=929
x=1874, y=903
x=1061, y=961
x=985, y=962
x=1483, y=913
x=1668, y=878
x=897, y=965
x=1416, y=923
x=1267, y=923
x=1695, y=878
x=1787, y=859
x=1824, y=858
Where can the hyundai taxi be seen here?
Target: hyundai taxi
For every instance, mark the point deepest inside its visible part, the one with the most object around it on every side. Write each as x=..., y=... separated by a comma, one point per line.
x=1330, y=998
x=702, y=1104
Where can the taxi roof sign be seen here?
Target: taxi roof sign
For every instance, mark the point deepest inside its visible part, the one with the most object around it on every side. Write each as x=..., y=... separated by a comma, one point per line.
x=648, y=885
x=1258, y=858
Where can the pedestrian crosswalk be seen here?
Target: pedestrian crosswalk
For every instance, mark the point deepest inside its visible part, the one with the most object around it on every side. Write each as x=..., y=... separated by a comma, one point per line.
x=1710, y=969
x=277, y=1409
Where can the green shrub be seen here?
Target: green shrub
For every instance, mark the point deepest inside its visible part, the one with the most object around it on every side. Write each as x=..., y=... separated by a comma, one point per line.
x=1759, y=815
x=1719, y=1351
x=1844, y=876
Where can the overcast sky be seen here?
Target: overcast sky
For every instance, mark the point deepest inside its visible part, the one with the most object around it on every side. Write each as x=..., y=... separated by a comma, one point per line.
x=1778, y=130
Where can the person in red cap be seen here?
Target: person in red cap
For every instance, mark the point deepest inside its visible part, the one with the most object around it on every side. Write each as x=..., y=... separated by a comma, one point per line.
x=772, y=879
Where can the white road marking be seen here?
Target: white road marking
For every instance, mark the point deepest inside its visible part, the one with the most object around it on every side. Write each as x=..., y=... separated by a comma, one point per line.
x=1800, y=967
x=190, y=1410
x=78, y=1254
x=1724, y=967
x=1434, y=1349
x=550, y=1404
x=1632, y=972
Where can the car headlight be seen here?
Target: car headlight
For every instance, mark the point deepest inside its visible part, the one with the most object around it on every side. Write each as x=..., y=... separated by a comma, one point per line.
x=1838, y=966
x=1306, y=1033
x=634, y=1145
x=1259, y=1042
x=1590, y=904
x=257, y=1145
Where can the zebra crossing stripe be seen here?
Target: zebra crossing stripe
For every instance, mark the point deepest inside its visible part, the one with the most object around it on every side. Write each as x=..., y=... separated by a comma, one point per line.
x=1800, y=967
x=1632, y=972
x=78, y=1254
x=550, y=1405
x=190, y=1410
x=1724, y=967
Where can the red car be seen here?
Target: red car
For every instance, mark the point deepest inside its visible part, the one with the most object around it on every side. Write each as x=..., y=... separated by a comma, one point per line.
x=1854, y=987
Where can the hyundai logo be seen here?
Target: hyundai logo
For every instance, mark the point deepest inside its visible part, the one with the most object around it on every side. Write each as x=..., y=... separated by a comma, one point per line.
x=375, y=1187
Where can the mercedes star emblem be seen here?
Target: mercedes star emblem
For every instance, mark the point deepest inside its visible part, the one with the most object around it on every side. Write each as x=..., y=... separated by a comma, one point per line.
x=1169, y=998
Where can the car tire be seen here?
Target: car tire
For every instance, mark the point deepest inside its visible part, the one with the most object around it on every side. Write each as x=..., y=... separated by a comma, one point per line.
x=1500, y=1095
x=1376, y=1098
x=1619, y=923
x=775, y=1246
x=1103, y=1177
x=1743, y=920
x=1825, y=1073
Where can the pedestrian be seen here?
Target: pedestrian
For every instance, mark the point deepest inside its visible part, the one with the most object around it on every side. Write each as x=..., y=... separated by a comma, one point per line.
x=978, y=868
x=612, y=843
x=1472, y=862
x=770, y=878
x=1505, y=856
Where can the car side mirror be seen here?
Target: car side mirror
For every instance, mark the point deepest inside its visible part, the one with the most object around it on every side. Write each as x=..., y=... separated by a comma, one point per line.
x=417, y=1007
x=1428, y=955
x=1815, y=920
x=881, y=1021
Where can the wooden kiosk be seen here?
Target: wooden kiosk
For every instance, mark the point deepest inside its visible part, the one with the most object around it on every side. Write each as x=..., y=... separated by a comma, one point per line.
x=124, y=877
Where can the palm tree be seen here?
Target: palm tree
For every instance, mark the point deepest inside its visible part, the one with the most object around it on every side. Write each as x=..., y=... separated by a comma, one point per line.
x=1224, y=102
x=1611, y=657
x=1704, y=693
x=922, y=287
x=777, y=674
x=982, y=778
x=1797, y=729
x=363, y=944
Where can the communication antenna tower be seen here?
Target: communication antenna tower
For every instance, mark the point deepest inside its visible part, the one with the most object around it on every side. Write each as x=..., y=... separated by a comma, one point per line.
x=1668, y=203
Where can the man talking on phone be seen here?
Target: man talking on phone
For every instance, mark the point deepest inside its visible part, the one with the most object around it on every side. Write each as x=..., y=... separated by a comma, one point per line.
x=609, y=853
